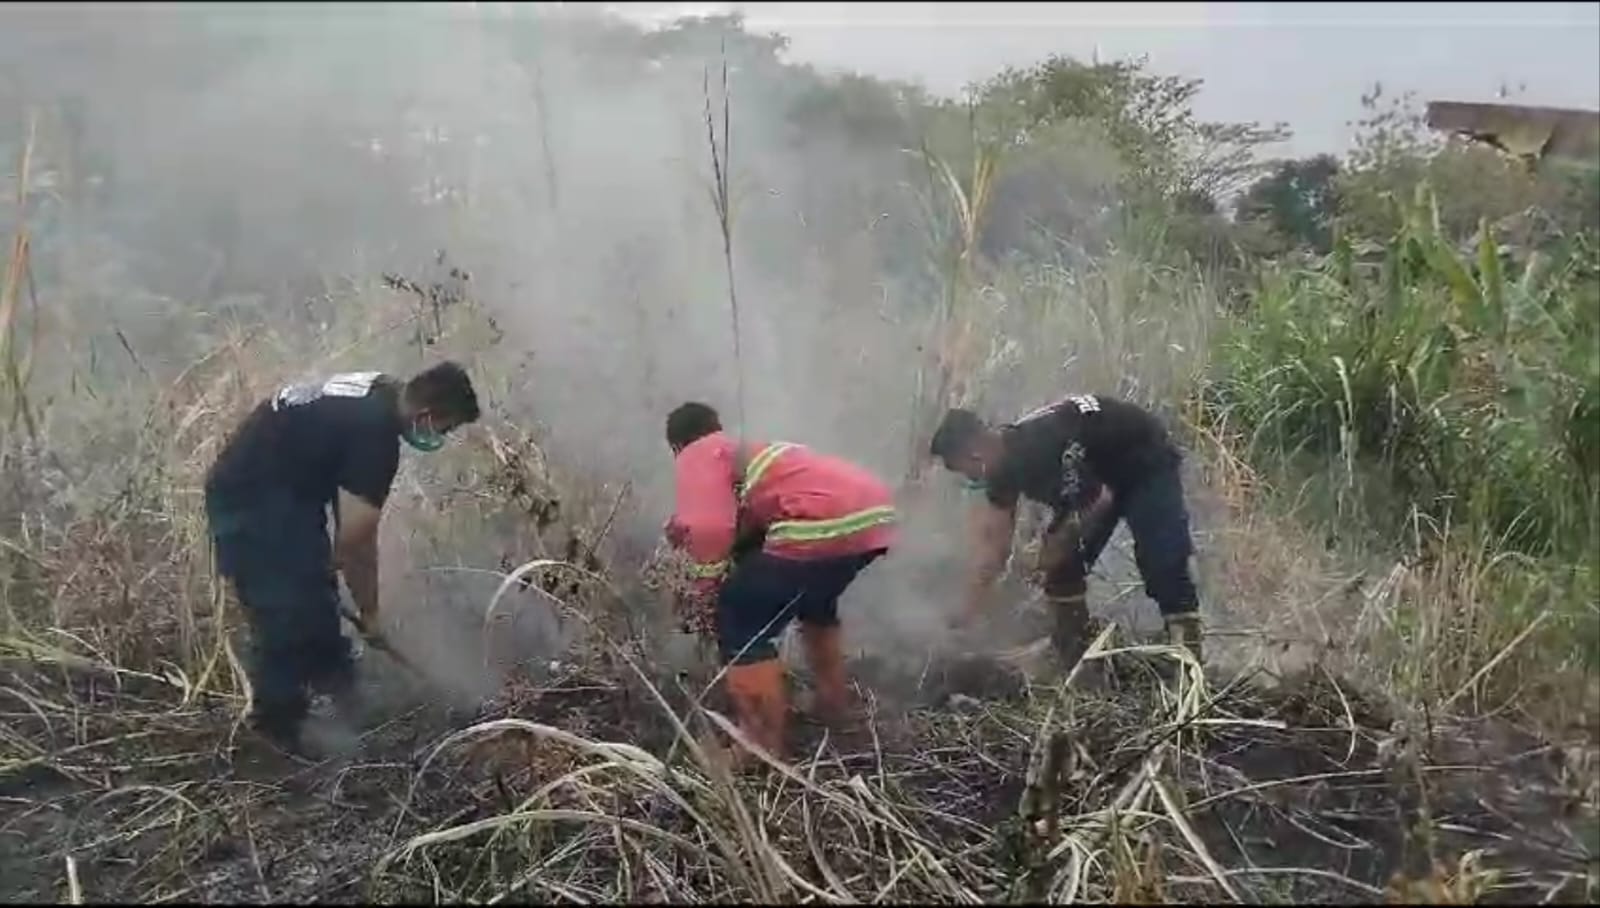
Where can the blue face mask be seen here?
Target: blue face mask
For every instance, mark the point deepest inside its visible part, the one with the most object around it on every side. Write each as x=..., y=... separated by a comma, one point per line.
x=425, y=440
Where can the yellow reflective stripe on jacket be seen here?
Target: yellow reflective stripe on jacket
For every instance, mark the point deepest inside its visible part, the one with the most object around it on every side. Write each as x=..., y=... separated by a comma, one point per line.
x=817, y=530
x=709, y=570
x=759, y=464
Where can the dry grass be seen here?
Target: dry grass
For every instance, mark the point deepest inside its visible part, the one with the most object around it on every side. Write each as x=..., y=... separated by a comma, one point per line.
x=125, y=774
x=136, y=782
x=1146, y=784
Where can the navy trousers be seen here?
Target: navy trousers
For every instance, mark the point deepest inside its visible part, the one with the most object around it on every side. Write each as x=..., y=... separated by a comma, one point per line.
x=1159, y=522
x=764, y=593
x=278, y=557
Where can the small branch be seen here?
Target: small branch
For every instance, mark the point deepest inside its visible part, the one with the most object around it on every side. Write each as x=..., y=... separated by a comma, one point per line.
x=541, y=111
x=720, y=163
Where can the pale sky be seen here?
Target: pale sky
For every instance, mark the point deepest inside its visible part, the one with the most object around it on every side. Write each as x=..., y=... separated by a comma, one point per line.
x=1305, y=64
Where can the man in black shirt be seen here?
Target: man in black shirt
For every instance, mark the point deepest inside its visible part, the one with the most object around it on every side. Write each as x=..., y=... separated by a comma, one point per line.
x=310, y=447
x=1093, y=460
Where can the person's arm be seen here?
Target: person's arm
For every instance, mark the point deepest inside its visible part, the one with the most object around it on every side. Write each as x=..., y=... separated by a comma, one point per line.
x=356, y=553
x=370, y=462
x=748, y=539
x=990, y=528
x=705, y=518
x=1063, y=542
x=1100, y=509
x=1084, y=498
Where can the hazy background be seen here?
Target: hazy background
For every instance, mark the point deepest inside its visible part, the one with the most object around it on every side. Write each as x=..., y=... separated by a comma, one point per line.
x=204, y=172
x=1305, y=64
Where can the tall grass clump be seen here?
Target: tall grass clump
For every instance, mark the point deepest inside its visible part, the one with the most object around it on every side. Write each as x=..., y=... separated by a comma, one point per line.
x=1448, y=395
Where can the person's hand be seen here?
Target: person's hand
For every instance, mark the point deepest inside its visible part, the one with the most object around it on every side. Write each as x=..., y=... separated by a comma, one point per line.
x=674, y=533
x=1057, y=550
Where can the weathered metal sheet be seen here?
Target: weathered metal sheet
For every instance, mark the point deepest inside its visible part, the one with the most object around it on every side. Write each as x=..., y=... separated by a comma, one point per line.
x=1535, y=133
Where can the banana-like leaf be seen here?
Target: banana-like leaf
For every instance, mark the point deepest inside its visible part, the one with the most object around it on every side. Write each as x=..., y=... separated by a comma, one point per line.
x=1491, y=279
x=1442, y=259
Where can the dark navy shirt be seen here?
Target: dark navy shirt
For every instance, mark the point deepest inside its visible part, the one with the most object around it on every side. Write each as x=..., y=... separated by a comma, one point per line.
x=308, y=441
x=1060, y=455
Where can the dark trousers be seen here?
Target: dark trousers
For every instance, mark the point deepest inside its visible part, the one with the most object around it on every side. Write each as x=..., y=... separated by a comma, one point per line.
x=1156, y=516
x=764, y=593
x=278, y=557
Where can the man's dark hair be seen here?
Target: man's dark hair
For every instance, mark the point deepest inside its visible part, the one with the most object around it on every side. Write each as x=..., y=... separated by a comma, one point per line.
x=444, y=389
x=690, y=423
x=955, y=434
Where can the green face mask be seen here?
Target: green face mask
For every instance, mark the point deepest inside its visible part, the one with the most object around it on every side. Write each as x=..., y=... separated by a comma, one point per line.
x=424, y=440
x=976, y=485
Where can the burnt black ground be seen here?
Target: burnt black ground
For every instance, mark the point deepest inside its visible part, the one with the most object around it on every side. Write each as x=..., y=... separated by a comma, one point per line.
x=186, y=814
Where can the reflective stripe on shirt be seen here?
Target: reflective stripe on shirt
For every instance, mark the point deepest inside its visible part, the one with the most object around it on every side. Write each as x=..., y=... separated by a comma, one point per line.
x=709, y=570
x=833, y=528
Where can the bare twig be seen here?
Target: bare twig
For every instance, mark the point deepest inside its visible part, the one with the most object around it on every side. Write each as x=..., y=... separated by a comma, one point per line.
x=721, y=163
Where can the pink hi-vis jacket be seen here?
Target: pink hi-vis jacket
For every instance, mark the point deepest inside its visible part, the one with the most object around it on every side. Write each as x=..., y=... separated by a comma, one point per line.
x=813, y=506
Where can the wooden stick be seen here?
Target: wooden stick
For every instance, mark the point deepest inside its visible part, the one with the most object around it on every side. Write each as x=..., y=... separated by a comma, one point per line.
x=378, y=642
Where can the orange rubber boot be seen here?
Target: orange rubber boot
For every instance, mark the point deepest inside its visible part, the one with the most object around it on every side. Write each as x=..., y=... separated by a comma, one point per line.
x=825, y=653
x=760, y=702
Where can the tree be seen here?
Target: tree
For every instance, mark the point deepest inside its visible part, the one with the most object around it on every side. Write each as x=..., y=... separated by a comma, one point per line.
x=1297, y=202
x=1148, y=119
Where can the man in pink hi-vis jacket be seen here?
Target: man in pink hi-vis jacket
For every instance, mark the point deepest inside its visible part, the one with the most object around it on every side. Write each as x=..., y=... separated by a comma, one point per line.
x=776, y=532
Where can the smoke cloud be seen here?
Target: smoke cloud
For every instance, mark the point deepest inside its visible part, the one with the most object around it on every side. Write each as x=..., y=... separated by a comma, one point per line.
x=228, y=165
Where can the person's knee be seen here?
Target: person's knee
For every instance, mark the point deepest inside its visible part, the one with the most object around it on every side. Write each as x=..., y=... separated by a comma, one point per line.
x=1156, y=511
x=746, y=650
x=826, y=586
x=1162, y=530
x=290, y=602
x=327, y=653
x=278, y=686
x=1170, y=584
x=270, y=605
x=746, y=634
x=295, y=618
x=820, y=611
x=829, y=618
x=742, y=619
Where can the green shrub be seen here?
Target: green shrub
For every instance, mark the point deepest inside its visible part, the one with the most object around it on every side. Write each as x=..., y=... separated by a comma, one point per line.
x=1468, y=378
x=1459, y=389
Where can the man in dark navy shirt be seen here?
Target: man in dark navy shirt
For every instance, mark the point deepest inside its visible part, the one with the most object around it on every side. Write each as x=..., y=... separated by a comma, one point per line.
x=312, y=447
x=1093, y=460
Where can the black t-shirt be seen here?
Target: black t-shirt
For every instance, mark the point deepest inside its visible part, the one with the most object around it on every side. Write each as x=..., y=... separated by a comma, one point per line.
x=309, y=441
x=1061, y=454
